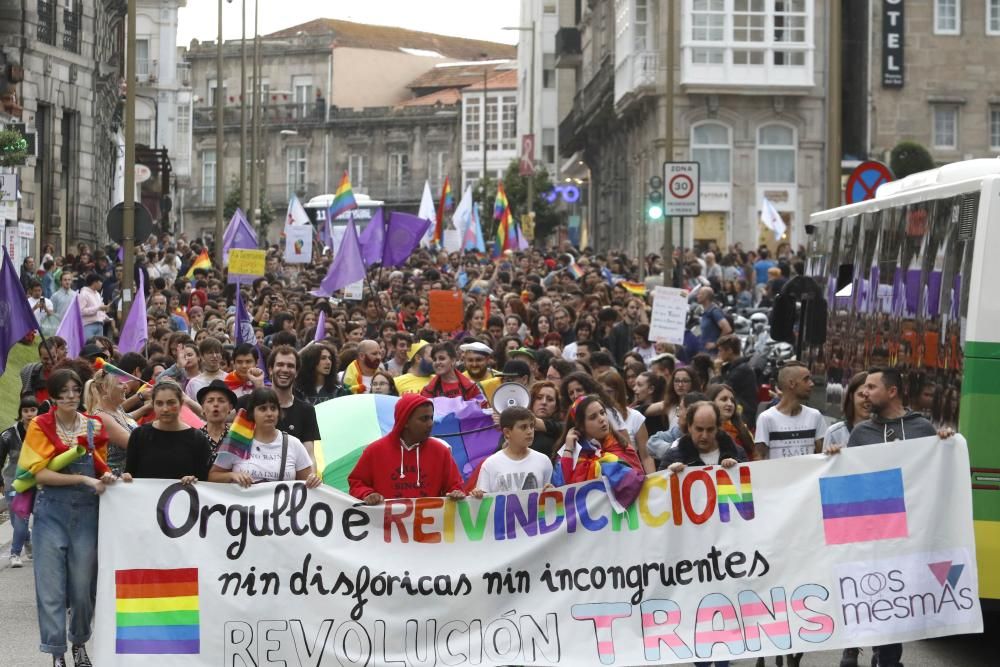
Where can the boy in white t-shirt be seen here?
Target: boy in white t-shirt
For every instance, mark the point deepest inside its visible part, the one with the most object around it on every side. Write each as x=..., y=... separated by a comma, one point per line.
x=516, y=467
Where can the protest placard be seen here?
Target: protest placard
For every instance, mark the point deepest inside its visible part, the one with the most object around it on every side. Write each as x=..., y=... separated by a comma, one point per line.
x=298, y=244
x=245, y=265
x=669, y=317
x=446, y=310
x=870, y=547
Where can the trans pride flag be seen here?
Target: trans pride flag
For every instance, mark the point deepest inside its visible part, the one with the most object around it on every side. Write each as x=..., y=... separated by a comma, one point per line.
x=864, y=507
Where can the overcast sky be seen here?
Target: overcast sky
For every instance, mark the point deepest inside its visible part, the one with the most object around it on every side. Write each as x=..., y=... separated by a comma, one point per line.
x=478, y=19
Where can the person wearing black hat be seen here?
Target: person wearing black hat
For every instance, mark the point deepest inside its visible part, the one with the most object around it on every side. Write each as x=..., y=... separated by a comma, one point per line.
x=217, y=401
x=91, y=351
x=517, y=371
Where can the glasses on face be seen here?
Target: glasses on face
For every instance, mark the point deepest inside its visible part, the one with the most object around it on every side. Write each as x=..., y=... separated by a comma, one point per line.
x=682, y=381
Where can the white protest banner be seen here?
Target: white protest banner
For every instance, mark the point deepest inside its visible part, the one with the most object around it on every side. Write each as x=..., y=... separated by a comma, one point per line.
x=868, y=547
x=668, y=319
x=298, y=244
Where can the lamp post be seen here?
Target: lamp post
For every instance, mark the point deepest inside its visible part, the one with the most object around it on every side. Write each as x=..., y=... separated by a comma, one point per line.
x=220, y=151
x=244, y=195
x=531, y=113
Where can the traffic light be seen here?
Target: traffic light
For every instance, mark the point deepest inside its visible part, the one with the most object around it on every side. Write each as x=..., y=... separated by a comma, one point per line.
x=654, y=198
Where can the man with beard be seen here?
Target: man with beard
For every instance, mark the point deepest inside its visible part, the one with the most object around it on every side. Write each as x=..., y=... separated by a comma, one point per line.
x=359, y=373
x=298, y=418
x=420, y=369
x=476, y=356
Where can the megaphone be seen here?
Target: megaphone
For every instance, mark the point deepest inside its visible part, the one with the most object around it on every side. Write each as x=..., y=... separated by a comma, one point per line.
x=510, y=395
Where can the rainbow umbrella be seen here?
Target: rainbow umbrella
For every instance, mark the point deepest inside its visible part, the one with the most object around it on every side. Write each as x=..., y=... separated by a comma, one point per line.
x=348, y=424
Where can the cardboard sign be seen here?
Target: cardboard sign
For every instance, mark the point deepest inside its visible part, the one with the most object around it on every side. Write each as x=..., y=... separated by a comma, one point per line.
x=669, y=317
x=298, y=244
x=245, y=264
x=447, y=310
x=355, y=291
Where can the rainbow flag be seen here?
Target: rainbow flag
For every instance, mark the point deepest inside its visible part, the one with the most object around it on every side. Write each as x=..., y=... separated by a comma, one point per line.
x=637, y=289
x=343, y=198
x=156, y=612
x=239, y=439
x=864, y=507
x=202, y=261
x=501, y=212
x=446, y=204
x=574, y=270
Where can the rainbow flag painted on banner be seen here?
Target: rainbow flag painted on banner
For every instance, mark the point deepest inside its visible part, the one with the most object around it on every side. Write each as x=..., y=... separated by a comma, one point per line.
x=156, y=612
x=203, y=261
x=863, y=508
x=343, y=198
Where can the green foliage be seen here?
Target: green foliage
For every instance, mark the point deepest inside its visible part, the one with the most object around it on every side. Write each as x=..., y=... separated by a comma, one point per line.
x=10, y=381
x=547, y=219
x=232, y=202
x=909, y=157
x=13, y=148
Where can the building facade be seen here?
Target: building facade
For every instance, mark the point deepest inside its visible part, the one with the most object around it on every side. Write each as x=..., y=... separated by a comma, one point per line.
x=749, y=94
x=392, y=124
x=489, y=126
x=539, y=97
x=932, y=78
x=68, y=59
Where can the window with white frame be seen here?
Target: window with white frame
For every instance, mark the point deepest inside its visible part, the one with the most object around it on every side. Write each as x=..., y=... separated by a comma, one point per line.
x=492, y=123
x=473, y=124
x=711, y=147
x=437, y=168
x=302, y=94
x=995, y=128
x=295, y=171
x=399, y=172
x=993, y=17
x=212, y=86
x=640, y=25
x=182, y=146
x=356, y=169
x=142, y=64
x=144, y=132
x=789, y=28
x=775, y=154
x=947, y=17
x=470, y=177
x=708, y=24
x=508, y=123
x=208, y=175
x=945, y=126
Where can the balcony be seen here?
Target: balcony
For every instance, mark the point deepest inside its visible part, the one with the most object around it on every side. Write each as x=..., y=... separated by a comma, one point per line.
x=568, y=51
x=184, y=74
x=281, y=115
x=46, y=31
x=146, y=71
x=773, y=68
x=635, y=76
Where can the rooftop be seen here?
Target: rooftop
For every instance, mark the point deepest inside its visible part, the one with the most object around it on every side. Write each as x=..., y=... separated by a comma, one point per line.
x=454, y=76
x=367, y=36
x=444, y=96
x=505, y=80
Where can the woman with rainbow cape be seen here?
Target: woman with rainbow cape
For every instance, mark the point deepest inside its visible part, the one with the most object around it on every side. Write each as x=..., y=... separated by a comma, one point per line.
x=66, y=507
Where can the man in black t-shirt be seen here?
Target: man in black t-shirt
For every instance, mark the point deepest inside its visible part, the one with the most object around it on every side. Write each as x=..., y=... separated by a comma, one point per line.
x=298, y=418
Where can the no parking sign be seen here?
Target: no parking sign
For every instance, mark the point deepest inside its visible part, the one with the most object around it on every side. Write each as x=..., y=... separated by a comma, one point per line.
x=864, y=181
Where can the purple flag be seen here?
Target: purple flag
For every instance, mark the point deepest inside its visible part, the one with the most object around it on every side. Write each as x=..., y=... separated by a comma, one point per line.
x=71, y=329
x=16, y=319
x=239, y=234
x=372, y=240
x=121, y=254
x=403, y=234
x=347, y=267
x=320, y=327
x=135, y=331
x=244, y=325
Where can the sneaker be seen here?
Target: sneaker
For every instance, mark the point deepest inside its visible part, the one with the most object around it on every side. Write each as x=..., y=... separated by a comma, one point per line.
x=849, y=658
x=15, y=561
x=80, y=658
x=58, y=661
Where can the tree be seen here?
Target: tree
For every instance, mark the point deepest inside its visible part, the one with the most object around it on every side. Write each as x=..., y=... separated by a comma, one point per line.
x=909, y=157
x=232, y=202
x=516, y=187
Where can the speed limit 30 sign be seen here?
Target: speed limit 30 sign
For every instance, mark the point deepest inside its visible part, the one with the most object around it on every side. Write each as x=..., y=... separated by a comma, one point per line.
x=681, y=186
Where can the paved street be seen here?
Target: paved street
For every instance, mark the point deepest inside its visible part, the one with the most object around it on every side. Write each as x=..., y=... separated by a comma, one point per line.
x=19, y=632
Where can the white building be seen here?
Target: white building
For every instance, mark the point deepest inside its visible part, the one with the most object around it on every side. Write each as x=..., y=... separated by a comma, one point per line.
x=162, y=105
x=489, y=126
x=539, y=97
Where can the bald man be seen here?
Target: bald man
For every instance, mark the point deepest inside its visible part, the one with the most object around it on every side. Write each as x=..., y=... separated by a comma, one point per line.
x=714, y=324
x=790, y=428
x=358, y=374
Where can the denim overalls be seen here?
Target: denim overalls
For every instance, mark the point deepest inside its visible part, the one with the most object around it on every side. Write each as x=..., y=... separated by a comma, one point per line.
x=65, y=550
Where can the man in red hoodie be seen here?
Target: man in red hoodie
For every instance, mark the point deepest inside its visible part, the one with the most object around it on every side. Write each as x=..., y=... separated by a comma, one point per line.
x=408, y=462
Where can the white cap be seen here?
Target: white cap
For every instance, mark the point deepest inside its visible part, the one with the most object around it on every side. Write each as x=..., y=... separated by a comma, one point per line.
x=481, y=348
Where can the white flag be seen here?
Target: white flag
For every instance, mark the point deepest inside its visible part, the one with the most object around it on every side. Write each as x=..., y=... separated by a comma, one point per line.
x=296, y=214
x=427, y=212
x=462, y=217
x=772, y=219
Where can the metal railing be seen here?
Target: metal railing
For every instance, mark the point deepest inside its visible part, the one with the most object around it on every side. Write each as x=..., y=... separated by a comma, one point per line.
x=271, y=114
x=47, y=22
x=72, y=18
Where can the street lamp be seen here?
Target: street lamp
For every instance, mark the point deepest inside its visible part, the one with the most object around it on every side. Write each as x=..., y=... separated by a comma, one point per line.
x=531, y=113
